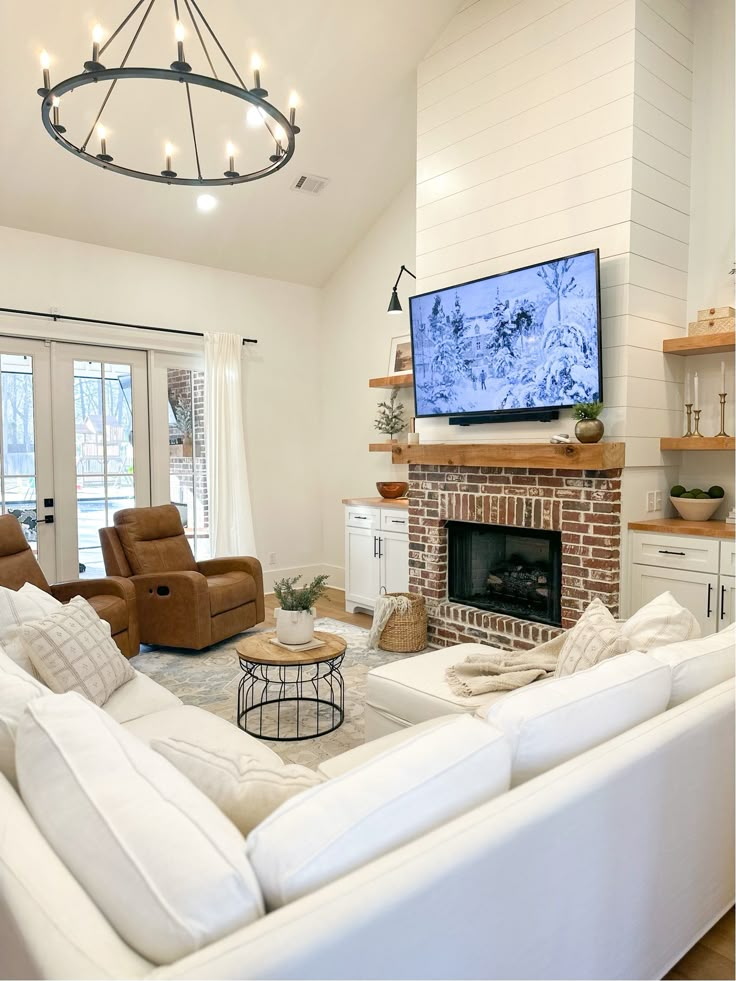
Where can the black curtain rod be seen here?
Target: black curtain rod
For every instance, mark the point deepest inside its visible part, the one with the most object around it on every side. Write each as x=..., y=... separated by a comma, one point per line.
x=111, y=323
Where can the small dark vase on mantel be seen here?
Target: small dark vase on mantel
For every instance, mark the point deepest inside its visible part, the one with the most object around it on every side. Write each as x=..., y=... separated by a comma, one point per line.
x=589, y=430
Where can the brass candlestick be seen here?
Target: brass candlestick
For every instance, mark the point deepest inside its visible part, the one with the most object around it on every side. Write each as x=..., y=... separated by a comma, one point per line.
x=723, y=432
x=696, y=431
x=689, y=410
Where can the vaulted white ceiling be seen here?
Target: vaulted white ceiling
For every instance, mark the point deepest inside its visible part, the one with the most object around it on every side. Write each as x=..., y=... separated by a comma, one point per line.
x=353, y=63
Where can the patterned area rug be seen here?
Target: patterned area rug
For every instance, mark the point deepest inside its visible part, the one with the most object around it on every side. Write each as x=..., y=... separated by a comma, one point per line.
x=210, y=680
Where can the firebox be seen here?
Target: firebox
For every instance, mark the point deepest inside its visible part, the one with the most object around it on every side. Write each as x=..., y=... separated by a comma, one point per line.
x=514, y=571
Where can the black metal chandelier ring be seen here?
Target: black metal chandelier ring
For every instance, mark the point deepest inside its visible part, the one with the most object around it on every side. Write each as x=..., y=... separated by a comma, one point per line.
x=286, y=145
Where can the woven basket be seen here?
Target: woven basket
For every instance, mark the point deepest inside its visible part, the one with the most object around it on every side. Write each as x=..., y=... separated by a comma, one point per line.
x=406, y=633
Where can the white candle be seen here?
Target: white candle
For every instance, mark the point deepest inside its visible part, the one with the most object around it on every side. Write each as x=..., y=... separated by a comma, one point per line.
x=697, y=398
x=723, y=378
x=687, y=388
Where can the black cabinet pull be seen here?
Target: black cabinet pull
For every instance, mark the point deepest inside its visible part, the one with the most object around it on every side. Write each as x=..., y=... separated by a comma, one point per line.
x=663, y=551
x=380, y=553
x=375, y=544
x=710, y=593
x=362, y=517
x=723, y=602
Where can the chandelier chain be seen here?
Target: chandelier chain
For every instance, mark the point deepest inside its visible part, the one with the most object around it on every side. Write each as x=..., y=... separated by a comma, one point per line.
x=194, y=132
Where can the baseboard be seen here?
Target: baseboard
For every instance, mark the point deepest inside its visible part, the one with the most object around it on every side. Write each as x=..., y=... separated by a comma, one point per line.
x=307, y=572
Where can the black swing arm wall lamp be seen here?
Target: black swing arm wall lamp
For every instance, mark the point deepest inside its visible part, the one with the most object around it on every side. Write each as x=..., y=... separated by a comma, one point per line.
x=394, y=305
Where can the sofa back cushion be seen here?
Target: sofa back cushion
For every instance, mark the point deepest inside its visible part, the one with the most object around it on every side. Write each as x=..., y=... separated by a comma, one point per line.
x=17, y=689
x=395, y=797
x=157, y=857
x=699, y=664
x=16, y=609
x=595, y=637
x=660, y=622
x=553, y=720
x=153, y=540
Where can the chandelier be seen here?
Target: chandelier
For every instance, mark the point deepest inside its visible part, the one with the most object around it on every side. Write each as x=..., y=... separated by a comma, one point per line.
x=282, y=129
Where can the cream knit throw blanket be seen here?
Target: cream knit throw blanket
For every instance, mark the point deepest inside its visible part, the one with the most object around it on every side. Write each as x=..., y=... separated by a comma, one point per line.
x=499, y=670
x=385, y=606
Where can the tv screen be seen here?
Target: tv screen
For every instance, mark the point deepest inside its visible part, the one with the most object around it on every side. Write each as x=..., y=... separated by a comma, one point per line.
x=515, y=342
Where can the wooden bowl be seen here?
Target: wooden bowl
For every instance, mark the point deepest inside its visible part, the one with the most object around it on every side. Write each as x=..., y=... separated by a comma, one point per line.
x=691, y=509
x=392, y=489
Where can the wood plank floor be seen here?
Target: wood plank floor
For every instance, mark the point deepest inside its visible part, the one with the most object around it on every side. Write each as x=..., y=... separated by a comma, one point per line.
x=712, y=957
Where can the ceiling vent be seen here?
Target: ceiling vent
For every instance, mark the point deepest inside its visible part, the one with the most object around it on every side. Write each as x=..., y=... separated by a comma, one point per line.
x=310, y=184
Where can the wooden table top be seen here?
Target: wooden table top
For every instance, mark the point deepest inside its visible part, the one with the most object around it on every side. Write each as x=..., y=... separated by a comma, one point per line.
x=258, y=649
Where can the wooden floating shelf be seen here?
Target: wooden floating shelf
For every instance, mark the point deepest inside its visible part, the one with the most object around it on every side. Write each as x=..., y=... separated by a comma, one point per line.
x=697, y=443
x=701, y=344
x=547, y=456
x=678, y=526
x=392, y=381
x=380, y=447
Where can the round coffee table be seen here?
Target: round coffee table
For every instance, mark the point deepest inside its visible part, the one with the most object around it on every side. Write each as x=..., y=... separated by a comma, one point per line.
x=288, y=696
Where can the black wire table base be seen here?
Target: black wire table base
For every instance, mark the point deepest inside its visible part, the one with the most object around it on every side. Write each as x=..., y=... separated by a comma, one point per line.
x=313, y=693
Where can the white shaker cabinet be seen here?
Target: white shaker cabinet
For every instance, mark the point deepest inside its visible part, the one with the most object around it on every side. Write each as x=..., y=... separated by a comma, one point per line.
x=376, y=554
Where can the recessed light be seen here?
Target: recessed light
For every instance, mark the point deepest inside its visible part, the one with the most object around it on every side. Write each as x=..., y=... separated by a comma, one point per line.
x=206, y=202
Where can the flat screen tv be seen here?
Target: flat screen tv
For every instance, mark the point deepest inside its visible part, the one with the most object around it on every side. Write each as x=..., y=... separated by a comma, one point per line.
x=511, y=344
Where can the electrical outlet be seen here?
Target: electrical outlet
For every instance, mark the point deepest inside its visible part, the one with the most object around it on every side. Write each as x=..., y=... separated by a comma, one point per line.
x=650, y=501
x=658, y=500
x=272, y=559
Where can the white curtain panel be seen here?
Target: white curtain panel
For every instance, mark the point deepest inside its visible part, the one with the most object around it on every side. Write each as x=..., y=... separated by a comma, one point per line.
x=231, y=517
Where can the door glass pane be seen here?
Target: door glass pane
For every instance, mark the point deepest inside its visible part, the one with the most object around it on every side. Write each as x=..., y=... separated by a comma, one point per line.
x=103, y=417
x=187, y=457
x=18, y=462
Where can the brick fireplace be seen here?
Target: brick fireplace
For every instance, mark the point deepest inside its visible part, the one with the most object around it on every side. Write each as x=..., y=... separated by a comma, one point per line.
x=584, y=506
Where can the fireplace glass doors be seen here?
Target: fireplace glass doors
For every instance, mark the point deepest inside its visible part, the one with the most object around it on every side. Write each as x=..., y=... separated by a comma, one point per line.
x=513, y=571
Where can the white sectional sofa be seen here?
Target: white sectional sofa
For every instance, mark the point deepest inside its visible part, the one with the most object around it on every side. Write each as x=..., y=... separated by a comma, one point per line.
x=611, y=864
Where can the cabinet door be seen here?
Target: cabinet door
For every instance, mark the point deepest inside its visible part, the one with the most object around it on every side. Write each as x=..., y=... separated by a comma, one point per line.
x=726, y=601
x=394, y=562
x=362, y=568
x=696, y=591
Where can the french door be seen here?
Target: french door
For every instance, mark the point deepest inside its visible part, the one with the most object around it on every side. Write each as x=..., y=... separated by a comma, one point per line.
x=74, y=446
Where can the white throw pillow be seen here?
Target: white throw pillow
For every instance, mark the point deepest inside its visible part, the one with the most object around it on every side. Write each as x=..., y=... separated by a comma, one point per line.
x=72, y=650
x=328, y=831
x=551, y=721
x=699, y=664
x=245, y=789
x=16, y=608
x=167, y=869
x=17, y=689
x=595, y=637
x=661, y=622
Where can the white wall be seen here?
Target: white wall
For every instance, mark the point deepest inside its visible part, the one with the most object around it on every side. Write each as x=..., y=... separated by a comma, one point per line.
x=39, y=272
x=355, y=341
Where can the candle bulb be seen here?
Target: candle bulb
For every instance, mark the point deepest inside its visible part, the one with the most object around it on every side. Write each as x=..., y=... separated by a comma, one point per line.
x=230, y=153
x=55, y=103
x=168, y=152
x=45, y=63
x=96, y=39
x=723, y=378
x=697, y=397
x=102, y=134
x=255, y=64
x=180, y=65
x=293, y=104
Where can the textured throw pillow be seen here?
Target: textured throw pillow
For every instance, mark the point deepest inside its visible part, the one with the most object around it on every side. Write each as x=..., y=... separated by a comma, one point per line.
x=699, y=664
x=595, y=637
x=166, y=868
x=17, y=689
x=16, y=608
x=661, y=622
x=245, y=789
x=73, y=650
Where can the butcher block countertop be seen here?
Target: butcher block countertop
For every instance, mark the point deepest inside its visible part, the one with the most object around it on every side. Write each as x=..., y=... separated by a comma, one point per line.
x=678, y=526
x=377, y=502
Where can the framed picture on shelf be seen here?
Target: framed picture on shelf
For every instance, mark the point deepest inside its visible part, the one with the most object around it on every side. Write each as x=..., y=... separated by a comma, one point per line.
x=399, y=362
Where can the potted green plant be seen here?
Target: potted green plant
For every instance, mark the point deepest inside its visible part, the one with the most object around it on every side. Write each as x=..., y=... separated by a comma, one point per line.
x=588, y=428
x=295, y=616
x=390, y=419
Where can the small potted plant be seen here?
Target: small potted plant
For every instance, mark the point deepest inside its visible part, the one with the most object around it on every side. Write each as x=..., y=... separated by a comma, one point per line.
x=390, y=419
x=588, y=428
x=295, y=616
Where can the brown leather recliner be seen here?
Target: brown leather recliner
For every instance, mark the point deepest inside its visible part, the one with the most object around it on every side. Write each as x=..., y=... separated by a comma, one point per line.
x=181, y=602
x=113, y=599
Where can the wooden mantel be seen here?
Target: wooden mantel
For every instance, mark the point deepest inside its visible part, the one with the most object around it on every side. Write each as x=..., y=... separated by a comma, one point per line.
x=545, y=456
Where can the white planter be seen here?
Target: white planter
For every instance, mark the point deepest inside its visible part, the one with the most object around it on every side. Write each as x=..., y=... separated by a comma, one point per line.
x=295, y=626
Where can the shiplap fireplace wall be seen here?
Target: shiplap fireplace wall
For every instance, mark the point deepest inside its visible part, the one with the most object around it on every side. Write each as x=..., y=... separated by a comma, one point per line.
x=547, y=127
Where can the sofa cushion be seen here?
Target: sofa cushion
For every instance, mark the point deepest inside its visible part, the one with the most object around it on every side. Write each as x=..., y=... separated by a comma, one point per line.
x=17, y=689
x=157, y=857
x=153, y=540
x=113, y=609
x=245, y=789
x=229, y=590
x=414, y=689
x=197, y=725
x=326, y=832
x=660, y=622
x=139, y=697
x=73, y=650
x=16, y=608
x=553, y=720
x=595, y=637
x=698, y=664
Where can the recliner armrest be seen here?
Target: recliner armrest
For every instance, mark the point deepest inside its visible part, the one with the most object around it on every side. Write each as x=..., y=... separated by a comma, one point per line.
x=173, y=607
x=238, y=563
x=109, y=586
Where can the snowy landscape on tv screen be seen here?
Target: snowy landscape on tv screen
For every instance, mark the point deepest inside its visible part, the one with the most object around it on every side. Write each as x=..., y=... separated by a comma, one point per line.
x=526, y=339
